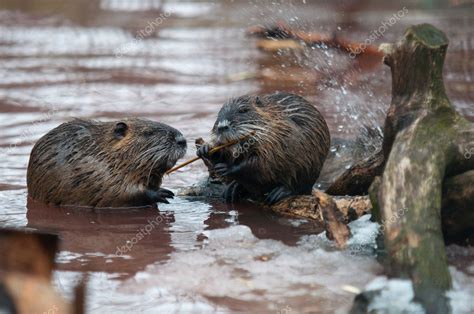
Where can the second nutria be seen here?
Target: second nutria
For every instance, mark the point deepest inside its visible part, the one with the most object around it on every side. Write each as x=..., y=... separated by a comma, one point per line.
x=104, y=164
x=283, y=158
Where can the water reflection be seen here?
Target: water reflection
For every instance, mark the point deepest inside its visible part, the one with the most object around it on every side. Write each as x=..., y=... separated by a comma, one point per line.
x=119, y=241
x=127, y=240
x=263, y=223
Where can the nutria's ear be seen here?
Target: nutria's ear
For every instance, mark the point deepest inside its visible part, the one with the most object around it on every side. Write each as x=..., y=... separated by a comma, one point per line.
x=120, y=130
x=258, y=102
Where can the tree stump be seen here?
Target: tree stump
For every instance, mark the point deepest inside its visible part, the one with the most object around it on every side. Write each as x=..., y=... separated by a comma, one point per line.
x=425, y=143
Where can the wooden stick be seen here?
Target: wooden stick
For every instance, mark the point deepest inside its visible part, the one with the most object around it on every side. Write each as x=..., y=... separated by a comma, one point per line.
x=212, y=151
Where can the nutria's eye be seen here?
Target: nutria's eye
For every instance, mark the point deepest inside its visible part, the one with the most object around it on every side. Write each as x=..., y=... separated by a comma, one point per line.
x=244, y=109
x=120, y=130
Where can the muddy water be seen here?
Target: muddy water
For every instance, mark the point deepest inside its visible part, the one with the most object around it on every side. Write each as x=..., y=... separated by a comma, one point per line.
x=60, y=60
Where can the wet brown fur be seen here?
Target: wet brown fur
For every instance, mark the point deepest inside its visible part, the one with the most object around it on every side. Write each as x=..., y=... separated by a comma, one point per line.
x=83, y=162
x=291, y=143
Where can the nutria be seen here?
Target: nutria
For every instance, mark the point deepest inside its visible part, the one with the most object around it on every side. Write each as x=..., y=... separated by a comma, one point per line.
x=104, y=164
x=283, y=158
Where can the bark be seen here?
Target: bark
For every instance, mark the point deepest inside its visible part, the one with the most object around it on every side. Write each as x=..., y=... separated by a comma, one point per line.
x=336, y=229
x=26, y=272
x=29, y=253
x=358, y=178
x=458, y=209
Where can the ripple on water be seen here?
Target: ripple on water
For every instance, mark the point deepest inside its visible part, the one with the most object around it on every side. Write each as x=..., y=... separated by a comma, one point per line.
x=13, y=211
x=266, y=274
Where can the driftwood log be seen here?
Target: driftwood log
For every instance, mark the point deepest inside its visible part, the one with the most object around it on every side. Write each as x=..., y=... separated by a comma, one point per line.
x=426, y=167
x=332, y=213
x=281, y=36
x=358, y=178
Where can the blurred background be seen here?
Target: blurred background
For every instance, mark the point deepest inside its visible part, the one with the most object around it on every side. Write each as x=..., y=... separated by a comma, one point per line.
x=177, y=62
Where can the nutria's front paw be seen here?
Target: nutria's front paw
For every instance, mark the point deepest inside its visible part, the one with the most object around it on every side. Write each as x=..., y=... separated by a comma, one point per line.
x=203, y=151
x=159, y=196
x=225, y=170
x=277, y=194
x=222, y=169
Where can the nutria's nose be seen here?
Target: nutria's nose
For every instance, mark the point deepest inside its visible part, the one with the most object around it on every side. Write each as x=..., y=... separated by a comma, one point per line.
x=181, y=141
x=222, y=128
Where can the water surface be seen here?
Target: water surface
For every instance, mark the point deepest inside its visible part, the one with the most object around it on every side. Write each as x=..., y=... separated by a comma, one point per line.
x=87, y=59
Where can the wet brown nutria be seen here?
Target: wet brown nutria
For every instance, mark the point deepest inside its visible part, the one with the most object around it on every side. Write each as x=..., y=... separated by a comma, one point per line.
x=104, y=164
x=284, y=157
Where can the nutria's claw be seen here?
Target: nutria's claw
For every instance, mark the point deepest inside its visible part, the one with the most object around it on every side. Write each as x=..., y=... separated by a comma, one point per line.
x=165, y=193
x=233, y=192
x=222, y=169
x=162, y=200
x=277, y=194
x=159, y=196
x=203, y=151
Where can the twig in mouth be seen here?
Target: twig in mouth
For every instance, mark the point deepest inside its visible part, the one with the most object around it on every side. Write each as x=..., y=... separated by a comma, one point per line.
x=212, y=151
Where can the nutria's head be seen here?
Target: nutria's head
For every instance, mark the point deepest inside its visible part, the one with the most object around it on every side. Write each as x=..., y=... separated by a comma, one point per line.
x=240, y=117
x=142, y=147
